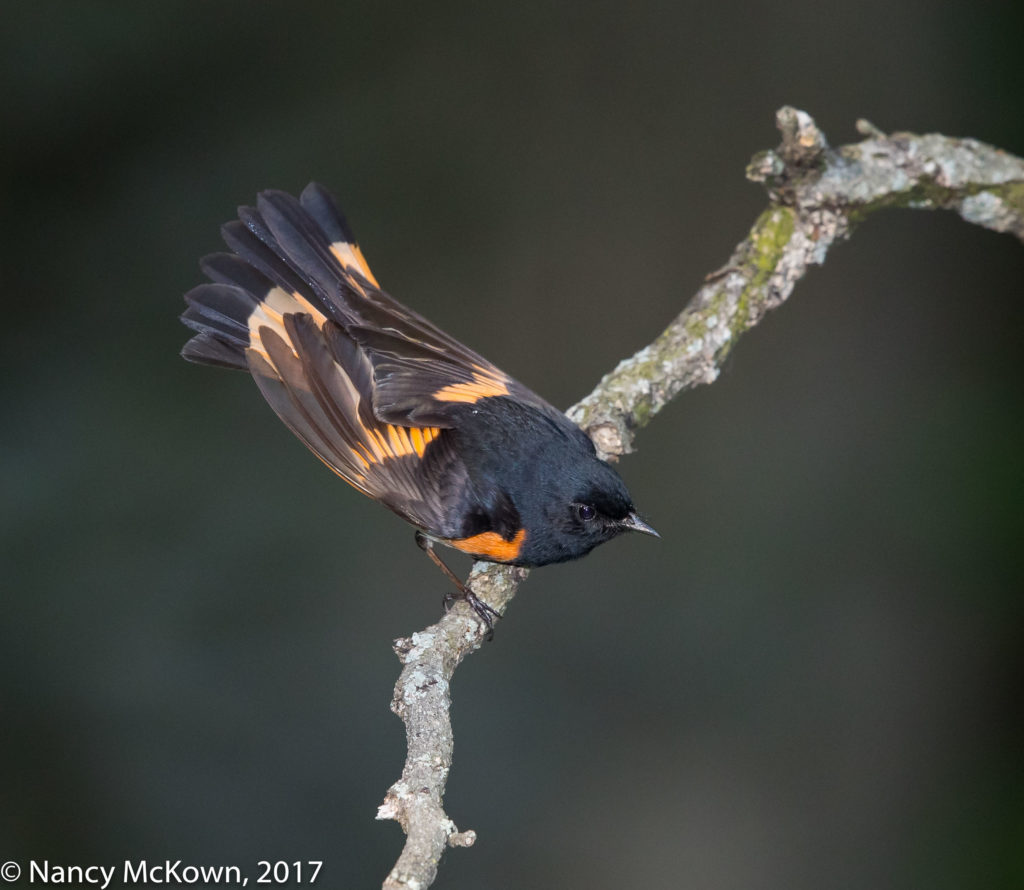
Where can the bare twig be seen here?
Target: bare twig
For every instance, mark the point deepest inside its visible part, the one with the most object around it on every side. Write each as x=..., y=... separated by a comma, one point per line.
x=817, y=196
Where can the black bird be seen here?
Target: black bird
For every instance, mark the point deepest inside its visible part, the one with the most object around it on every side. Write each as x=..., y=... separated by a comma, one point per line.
x=396, y=407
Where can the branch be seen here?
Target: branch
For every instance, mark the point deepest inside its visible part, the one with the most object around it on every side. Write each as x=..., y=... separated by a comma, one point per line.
x=817, y=195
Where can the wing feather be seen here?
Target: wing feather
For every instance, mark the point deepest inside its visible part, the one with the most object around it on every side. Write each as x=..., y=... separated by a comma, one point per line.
x=318, y=400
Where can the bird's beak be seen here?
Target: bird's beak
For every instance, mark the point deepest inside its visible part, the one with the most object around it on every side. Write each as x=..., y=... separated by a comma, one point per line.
x=636, y=524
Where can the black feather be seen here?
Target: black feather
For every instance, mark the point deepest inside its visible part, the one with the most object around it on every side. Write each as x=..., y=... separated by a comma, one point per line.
x=301, y=242
x=205, y=349
x=319, y=204
x=261, y=256
x=226, y=268
x=222, y=309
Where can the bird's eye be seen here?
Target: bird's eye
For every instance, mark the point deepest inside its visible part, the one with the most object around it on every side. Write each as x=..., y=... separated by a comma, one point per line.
x=585, y=512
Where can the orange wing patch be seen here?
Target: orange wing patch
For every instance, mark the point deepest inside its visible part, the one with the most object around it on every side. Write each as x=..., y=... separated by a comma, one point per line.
x=389, y=442
x=421, y=437
x=379, y=443
x=491, y=545
x=484, y=383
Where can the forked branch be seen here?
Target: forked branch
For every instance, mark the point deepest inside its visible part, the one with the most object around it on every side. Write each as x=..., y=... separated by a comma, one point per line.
x=817, y=195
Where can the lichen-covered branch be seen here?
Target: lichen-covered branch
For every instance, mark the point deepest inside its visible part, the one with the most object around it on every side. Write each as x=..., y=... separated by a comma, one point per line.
x=817, y=195
x=423, y=701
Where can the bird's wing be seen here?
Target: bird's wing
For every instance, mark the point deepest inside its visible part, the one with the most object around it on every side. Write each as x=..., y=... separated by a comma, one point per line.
x=420, y=373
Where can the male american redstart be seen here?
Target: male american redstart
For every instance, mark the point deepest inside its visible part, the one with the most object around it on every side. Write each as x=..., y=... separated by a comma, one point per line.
x=396, y=407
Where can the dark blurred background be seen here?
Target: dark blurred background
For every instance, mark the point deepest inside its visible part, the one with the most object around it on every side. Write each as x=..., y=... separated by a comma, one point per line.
x=813, y=680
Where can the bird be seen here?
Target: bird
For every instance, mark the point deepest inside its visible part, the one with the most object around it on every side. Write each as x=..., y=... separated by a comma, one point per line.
x=399, y=409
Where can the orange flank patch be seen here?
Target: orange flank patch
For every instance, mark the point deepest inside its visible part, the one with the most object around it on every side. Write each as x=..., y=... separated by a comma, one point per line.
x=484, y=383
x=491, y=545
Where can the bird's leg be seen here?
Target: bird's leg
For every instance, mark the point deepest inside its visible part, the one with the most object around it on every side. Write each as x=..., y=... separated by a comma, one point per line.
x=484, y=611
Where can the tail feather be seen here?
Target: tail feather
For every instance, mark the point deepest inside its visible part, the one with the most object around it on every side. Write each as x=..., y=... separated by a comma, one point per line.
x=319, y=204
x=222, y=309
x=288, y=256
x=301, y=242
x=206, y=349
x=261, y=256
x=219, y=314
x=227, y=268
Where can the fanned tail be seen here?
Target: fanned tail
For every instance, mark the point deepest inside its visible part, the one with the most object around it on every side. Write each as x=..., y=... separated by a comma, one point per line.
x=289, y=257
x=282, y=306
